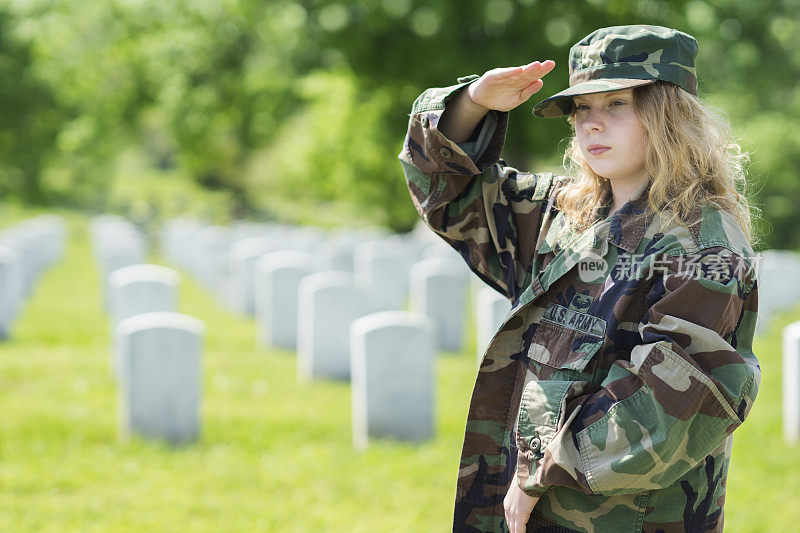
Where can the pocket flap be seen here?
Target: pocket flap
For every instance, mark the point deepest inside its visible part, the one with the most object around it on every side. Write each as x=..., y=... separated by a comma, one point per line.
x=566, y=338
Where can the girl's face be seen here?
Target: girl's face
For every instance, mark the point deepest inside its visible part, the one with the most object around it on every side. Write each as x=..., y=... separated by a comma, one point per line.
x=611, y=137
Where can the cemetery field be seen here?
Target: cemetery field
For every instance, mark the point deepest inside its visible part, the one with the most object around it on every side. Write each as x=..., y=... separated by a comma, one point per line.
x=274, y=454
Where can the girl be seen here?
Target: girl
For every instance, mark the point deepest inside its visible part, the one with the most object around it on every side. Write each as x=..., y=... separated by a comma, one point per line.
x=607, y=399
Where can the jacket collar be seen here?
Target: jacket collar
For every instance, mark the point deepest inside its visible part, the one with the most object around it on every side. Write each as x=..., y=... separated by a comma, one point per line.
x=630, y=221
x=624, y=228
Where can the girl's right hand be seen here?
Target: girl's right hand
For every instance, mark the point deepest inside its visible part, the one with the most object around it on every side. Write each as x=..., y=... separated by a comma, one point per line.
x=503, y=89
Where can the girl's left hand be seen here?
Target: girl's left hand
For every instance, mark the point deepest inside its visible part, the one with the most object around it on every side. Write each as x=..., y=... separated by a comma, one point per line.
x=518, y=507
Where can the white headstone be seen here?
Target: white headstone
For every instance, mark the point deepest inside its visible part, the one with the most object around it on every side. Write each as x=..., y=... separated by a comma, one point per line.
x=25, y=247
x=52, y=229
x=278, y=276
x=242, y=271
x=328, y=303
x=140, y=289
x=56, y=227
x=791, y=382
x=304, y=238
x=393, y=377
x=11, y=288
x=221, y=278
x=120, y=258
x=439, y=291
x=8, y=294
x=442, y=250
x=335, y=255
x=778, y=283
x=144, y=288
x=177, y=241
x=381, y=272
x=423, y=233
x=159, y=389
x=491, y=308
x=209, y=244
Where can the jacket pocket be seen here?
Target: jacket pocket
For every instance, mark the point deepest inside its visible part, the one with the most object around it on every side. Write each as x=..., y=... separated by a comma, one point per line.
x=566, y=339
x=538, y=415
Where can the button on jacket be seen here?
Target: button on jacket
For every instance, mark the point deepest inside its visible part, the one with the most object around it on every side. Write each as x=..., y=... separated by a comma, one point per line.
x=616, y=381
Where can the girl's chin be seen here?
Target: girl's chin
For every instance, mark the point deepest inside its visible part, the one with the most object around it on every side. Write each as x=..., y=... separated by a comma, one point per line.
x=604, y=173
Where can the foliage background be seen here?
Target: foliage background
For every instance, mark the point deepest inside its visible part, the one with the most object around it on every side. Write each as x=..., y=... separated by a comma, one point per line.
x=296, y=109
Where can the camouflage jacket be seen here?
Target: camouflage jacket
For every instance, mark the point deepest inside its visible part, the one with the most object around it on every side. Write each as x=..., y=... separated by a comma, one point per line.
x=616, y=381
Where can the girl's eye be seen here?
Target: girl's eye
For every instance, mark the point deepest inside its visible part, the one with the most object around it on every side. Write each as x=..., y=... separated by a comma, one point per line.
x=615, y=103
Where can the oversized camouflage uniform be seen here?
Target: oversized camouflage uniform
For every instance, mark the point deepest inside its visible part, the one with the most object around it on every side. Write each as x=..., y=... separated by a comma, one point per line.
x=614, y=397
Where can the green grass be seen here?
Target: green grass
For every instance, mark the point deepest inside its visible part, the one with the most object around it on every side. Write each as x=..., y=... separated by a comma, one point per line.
x=764, y=477
x=274, y=454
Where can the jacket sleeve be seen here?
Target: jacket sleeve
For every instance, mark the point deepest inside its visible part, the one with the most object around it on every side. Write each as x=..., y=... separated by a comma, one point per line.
x=489, y=212
x=689, y=384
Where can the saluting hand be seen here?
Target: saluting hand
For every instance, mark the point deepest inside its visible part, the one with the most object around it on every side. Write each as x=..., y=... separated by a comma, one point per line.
x=503, y=89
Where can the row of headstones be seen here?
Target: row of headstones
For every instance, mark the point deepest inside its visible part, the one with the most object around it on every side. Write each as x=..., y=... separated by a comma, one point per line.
x=269, y=271
x=26, y=250
x=387, y=355
x=339, y=326
x=225, y=259
x=155, y=352
x=116, y=243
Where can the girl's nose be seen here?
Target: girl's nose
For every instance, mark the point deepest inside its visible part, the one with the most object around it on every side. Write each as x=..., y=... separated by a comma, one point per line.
x=593, y=122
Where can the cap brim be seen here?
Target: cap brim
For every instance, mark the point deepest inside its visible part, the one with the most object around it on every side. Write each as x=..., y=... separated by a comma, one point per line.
x=561, y=103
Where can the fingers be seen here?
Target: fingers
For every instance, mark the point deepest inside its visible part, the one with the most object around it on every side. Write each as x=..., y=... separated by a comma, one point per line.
x=530, y=89
x=514, y=519
x=511, y=523
x=535, y=69
x=510, y=517
x=508, y=72
x=547, y=64
x=515, y=525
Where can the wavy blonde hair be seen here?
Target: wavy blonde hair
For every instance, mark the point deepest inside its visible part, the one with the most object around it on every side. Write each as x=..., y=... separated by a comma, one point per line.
x=691, y=158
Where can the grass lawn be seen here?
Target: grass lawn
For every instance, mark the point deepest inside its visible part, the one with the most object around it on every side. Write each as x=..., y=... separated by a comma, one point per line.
x=274, y=454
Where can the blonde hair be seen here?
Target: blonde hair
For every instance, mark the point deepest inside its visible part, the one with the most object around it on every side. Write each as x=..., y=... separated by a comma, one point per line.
x=691, y=158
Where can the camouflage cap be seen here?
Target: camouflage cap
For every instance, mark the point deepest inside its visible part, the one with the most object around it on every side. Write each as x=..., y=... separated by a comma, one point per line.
x=619, y=57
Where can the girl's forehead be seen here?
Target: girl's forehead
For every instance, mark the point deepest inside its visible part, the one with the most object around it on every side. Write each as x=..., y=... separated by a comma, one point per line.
x=594, y=97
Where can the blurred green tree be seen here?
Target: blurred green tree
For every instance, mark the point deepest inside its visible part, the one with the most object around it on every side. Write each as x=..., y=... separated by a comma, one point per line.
x=29, y=118
x=290, y=104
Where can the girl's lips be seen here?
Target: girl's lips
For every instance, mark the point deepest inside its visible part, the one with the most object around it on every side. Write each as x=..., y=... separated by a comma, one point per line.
x=599, y=150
